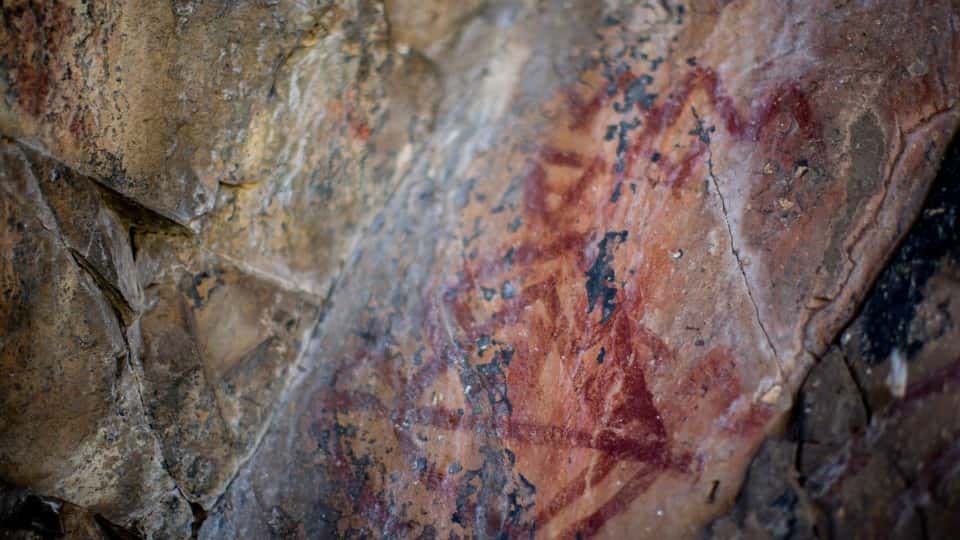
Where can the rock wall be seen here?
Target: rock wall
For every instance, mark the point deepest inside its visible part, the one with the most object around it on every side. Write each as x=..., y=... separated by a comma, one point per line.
x=435, y=268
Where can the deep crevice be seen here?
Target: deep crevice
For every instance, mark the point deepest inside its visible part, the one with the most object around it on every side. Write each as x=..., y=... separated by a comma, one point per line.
x=111, y=294
x=858, y=382
x=199, y=516
x=132, y=238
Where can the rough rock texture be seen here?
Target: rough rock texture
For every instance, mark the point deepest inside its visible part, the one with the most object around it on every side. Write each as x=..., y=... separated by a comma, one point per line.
x=872, y=448
x=184, y=181
x=595, y=318
x=72, y=422
x=442, y=269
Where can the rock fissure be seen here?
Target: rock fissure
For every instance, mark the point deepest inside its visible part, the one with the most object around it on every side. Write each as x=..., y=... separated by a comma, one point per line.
x=704, y=136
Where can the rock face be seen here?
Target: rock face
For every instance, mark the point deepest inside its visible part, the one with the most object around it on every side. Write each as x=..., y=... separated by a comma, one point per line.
x=73, y=424
x=871, y=449
x=440, y=269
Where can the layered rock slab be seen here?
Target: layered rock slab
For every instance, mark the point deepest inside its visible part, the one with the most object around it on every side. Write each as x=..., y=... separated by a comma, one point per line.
x=581, y=313
x=133, y=388
x=248, y=122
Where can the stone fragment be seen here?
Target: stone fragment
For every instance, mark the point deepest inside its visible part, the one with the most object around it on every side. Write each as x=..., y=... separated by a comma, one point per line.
x=94, y=233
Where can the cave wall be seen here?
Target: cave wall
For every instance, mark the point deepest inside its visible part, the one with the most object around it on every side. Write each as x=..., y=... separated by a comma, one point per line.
x=258, y=257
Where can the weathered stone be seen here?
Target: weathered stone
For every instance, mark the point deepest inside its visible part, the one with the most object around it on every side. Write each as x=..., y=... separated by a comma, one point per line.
x=71, y=420
x=218, y=347
x=94, y=233
x=600, y=287
x=871, y=450
x=423, y=24
x=163, y=102
x=453, y=269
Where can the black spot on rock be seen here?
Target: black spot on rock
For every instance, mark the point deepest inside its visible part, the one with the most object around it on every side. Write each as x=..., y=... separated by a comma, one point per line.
x=601, y=276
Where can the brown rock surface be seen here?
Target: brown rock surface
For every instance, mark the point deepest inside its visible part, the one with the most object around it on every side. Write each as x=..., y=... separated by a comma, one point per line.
x=442, y=269
x=71, y=419
x=871, y=450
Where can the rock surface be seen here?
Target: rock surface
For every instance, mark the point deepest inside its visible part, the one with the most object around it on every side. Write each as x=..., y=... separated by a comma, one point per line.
x=444, y=269
x=871, y=450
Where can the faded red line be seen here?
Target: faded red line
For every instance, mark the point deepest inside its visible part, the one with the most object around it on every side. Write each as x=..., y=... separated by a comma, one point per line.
x=562, y=158
x=638, y=483
x=573, y=490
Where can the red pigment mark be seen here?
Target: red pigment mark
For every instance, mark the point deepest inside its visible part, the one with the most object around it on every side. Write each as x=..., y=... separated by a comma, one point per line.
x=563, y=158
x=361, y=130
x=677, y=174
x=635, y=411
x=36, y=62
x=582, y=113
x=631, y=427
x=624, y=416
x=626, y=426
x=536, y=191
x=785, y=99
x=32, y=53
x=354, y=119
x=76, y=124
x=714, y=380
x=632, y=489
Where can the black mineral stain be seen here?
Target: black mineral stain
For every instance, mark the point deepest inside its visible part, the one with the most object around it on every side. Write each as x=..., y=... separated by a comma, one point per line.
x=495, y=500
x=601, y=276
x=488, y=384
x=700, y=131
x=602, y=355
x=636, y=93
x=617, y=191
x=483, y=343
x=623, y=143
x=194, y=285
x=932, y=241
x=611, y=133
x=488, y=293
